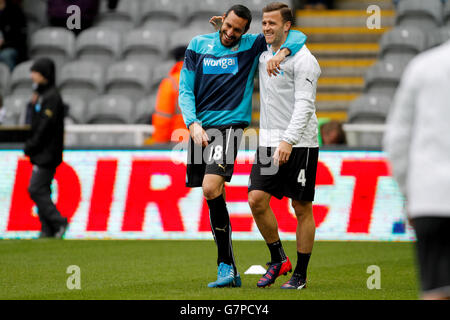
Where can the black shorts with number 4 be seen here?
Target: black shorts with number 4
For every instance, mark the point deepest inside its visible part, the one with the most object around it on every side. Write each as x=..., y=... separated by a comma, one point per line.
x=295, y=179
x=216, y=158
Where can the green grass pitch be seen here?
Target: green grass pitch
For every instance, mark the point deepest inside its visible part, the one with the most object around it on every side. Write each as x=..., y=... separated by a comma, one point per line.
x=180, y=270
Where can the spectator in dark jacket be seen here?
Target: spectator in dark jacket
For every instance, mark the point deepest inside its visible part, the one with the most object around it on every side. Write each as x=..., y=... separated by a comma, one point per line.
x=13, y=34
x=45, y=146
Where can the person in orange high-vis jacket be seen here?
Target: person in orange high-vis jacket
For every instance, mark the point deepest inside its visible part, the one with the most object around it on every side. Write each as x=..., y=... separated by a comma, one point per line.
x=167, y=116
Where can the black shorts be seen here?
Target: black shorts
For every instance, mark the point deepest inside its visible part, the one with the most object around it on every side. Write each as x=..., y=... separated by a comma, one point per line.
x=216, y=158
x=295, y=179
x=433, y=253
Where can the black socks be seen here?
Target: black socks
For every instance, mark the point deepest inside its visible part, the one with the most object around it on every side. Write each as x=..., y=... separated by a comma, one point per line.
x=221, y=229
x=276, y=252
x=302, y=264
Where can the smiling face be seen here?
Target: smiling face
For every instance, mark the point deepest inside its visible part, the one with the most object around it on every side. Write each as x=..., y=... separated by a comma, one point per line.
x=233, y=28
x=275, y=29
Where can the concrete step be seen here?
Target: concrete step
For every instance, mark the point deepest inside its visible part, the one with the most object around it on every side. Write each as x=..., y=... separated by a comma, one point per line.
x=333, y=101
x=345, y=67
x=342, y=34
x=340, y=84
x=344, y=50
x=362, y=4
x=326, y=102
x=341, y=18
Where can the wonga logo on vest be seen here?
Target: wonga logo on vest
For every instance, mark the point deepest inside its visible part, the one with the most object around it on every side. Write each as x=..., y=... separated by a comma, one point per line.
x=220, y=66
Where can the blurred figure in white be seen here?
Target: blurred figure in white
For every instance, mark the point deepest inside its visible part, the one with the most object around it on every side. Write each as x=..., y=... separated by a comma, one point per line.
x=418, y=145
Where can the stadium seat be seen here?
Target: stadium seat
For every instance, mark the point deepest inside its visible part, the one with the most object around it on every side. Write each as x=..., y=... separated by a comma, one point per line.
x=103, y=139
x=256, y=7
x=110, y=109
x=4, y=79
x=200, y=11
x=36, y=12
x=445, y=34
x=82, y=78
x=163, y=15
x=77, y=108
x=384, y=77
x=144, y=110
x=447, y=13
x=160, y=72
x=99, y=45
x=369, y=109
x=182, y=37
x=122, y=19
x=129, y=78
x=255, y=26
x=145, y=45
x=15, y=107
x=422, y=14
x=403, y=42
x=20, y=83
x=55, y=43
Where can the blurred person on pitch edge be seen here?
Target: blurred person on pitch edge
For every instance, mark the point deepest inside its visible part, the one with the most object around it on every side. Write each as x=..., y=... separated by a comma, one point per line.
x=216, y=87
x=417, y=142
x=13, y=34
x=167, y=118
x=45, y=146
x=286, y=159
x=332, y=133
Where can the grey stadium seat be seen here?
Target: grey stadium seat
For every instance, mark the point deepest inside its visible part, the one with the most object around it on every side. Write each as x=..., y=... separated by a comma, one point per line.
x=110, y=109
x=384, y=77
x=163, y=14
x=445, y=33
x=402, y=42
x=160, y=72
x=15, y=107
x=4, y=79
x=77, y=108
x=20, y=82
x=82, y=78
x=255, y=26
x=145, y=45
x=107, y=139
x=36, y=12
x=369, y=109
x=55, y=43
x=200, y=11
x=145, y=109
x=182, y=37
x=129, y=78
x=447, y=13
x=99, y=45
x=122, y=19
x=422, y=14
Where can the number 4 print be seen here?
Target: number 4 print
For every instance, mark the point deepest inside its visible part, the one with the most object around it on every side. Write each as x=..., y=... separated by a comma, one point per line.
x=302, y=177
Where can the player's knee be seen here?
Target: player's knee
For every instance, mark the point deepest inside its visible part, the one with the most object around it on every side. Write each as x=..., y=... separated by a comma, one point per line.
x=257, y=202
x=302, y=208
x=211, y=191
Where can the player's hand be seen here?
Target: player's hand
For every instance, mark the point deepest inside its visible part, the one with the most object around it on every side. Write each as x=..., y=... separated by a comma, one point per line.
x=282, y=153
x=273, y=65
x=198, y=134
x=216, y=22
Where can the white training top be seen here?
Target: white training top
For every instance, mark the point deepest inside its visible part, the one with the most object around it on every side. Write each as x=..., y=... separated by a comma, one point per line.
x=417, y=139
x=287, y=100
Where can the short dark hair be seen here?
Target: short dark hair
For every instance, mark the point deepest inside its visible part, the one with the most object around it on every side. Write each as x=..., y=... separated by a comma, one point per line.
x=242, y=12
x=285, y=11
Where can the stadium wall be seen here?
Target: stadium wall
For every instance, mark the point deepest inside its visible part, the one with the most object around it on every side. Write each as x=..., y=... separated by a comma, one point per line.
x=141, y=194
